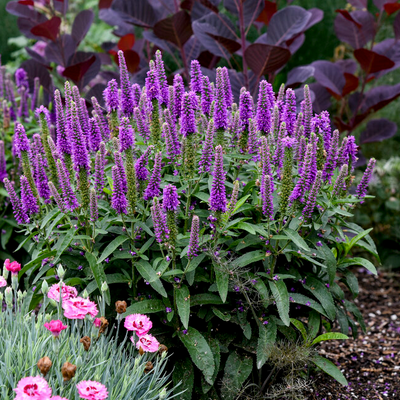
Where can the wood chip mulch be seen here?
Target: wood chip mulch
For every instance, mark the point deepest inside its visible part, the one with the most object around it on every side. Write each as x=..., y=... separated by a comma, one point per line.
x=371, y=363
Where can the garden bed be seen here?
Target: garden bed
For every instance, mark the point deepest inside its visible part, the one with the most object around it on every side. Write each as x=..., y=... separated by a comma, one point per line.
x=370, y=363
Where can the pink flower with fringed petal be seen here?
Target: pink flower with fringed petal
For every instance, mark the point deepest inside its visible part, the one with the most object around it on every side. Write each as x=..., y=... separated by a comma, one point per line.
x=92, y=390
x=68, y=292
x=148, y=343
x=139, y=323
x=33, y=388
x=78, y=308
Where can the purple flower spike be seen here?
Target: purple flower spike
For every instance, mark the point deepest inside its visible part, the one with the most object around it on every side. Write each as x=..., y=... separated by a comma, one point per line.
x=265, y=158
x=170, y=143
x=332, y=157
x=100, y=162
x=363, y=185
x=306, y=109
x=193, y=249
x=19, y=213
x=141, y=164
x=35, y=94
x=207, y=151
x=120, y=164
x=253, y=138
x=111, y=96
x=21, y=78
x=352, y=150
x=245, y=108
x=94, y=135
x=69, y=199
x=41, y=178
x=170, y=198
x=136, y=93
x=266, y=197
x=196, y=77
x=103, y=124
x=188, y=121
x=312, y=198
x=289, y=111
x=340, y=184
x=152, y=85
x=207, y=96
x=305, y=180
x=80, y=105
x=263, y=115
x=21, y=141
x=63, y=144
x=29, y=201
x=57, y=198
x=126, y=100
x=179, y=90
x=280, y=147
x=162, y=79
x=142, y=125
x=159, y=222
x=321, y=124
x=126, y=135
x=3, y=165
x=94, y=210
x=218, y=195
x=80, y=154
x=227, y=87
x=153, y=188
x=174, y=134
x=118, y=200
x=220, y=108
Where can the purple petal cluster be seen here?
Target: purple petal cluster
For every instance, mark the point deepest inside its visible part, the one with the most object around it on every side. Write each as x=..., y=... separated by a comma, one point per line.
x=126, y=135
x=322, y=123
x=331, y=158
x=80, y=155
x=118, y=200
x=220, y=108
x=289, y=111
x=94, y=137
x=218, y=194
x=363, y=185
x=179, y=90
x=207, y=96
x=245, y=108
x=170, y=198
x=19, y=213
x=207, y=150
x=141, y=164
x=136, y=94
x=3, y=165
x=227, y=87
x=21, y=78
x=63, y=143
x=21, y=141
x=264, y=105
x=267, y=197
x=41, y=179
x=120, y=164
x=142, y=124
x=196, y=77
x=174, y=134
x=111, y=97
x=159, y=222
x=312, y=198
x=193, y=248
x=126, y=100
x=99, y=164
x=162, y=79
x=68, y=195
x=188, y=121
x=306, y=109
x=152, y=84
x=29, y=201
x=153, y=188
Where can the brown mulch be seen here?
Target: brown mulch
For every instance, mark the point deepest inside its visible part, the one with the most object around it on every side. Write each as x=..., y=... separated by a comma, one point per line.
x=371, y=363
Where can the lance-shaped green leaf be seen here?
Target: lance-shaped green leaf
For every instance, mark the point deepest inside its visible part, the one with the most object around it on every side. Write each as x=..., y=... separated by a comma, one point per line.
x=281, y=296
x=266, y=339
x=183, y=304
x=183, y=376
x=329, y=336
x=330, y=368
x=99, y=275
x=112, y=247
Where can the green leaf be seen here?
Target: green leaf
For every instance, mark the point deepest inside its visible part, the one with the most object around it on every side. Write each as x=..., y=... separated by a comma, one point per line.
x=307, y=301
x=249, y=240
x=214, y=346
x=320, y=291
x=110, y=279
x=352, y=282
x=199, y=352
x=112, y=247
x=330, y=261
x=281, y=296
x=66, y=241
x=224, y=316
x=144, y=227
x=146, y=245
x=5, y=237
x=237, y=370
x=359, y=261
x=266, y=339
x=239, y=203
x=358, y=237
x=314, y=321
x=36, y=262
x=145, y=307
x=245, y=226
x=296, y=239
x=195, y=262
x=330, y=368
x=249, y=258
x=54, y=223
x=26, y=240
x=49, y=216
x=99, y=275
x=183, y=376
x=300, y=326
x=204, y=298
x=202, y=196
x=148, y=273
x=222, y=279
x=183, y=304
x=329, y=336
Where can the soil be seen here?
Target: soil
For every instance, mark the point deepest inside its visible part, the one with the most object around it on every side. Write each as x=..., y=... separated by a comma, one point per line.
x=370, y=363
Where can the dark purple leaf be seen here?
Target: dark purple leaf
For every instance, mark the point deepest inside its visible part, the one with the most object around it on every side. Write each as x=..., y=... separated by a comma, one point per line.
x=217, y=34
x=299, y=75
x=348, y=65
x=126, y=42
x=76, y=71
x=316, y=16
x=379, y=96
x=294, y=44
x=96, y=91
x=351, y=84
x=347, y=15
x=361, y=161
x=264, y=58
x=113, y=18
x=361, y=4
x=34, y=69
x=354, y=100
x=48, y=29
x=286, y=24
x=251, y=9
x=192, y=48
x=85, y=67
x=81, y=25
x=381, y=3
x=163, y=7
x=391, y=8
x=20, y=10
x=105, y=4
x=378, y=130
x=140, y=13
x=372, y=62
x=26, y=24
x=321, y=98
x=61, y=6
x=132, y=60
x=177, y=29
x=350, y=33
x=140, y=76
x=270, y=8
x=36, y=56
x=396, y=27
x=329, y=75
x=105, y=59
x=162, y=44
x=61, y=50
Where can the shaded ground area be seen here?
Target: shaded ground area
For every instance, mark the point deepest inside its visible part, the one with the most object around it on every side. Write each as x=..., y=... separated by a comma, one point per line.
x=371, y=363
